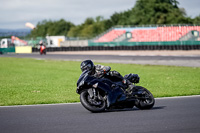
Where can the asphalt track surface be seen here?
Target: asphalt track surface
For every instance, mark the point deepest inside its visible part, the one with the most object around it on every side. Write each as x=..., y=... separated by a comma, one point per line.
x=169, y=115
x=189, y=61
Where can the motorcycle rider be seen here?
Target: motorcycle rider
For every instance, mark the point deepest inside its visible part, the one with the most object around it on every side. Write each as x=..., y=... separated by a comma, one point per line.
x=101, y=71
x=42, y=47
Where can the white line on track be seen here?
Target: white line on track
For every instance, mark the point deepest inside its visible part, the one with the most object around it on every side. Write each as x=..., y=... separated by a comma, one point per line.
x=178, y=97
x=79, y=102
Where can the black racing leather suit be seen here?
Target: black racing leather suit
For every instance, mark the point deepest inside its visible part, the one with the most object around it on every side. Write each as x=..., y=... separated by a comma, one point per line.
x=104, y=71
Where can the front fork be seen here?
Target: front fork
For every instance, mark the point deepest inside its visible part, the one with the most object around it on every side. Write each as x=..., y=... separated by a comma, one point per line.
x=94, y=94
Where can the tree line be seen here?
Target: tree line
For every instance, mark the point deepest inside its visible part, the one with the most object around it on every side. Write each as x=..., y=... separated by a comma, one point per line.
x=145, y=12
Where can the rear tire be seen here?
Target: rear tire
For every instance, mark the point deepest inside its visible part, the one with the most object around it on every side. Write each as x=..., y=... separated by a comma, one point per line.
x=91, y=104
x=146, y=103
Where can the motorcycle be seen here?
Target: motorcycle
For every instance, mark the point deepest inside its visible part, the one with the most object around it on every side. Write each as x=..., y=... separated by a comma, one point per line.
x=101, y=94
x=42, y=49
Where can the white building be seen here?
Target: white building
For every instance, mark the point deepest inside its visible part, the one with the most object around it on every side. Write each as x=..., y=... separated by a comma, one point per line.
x=54, y=41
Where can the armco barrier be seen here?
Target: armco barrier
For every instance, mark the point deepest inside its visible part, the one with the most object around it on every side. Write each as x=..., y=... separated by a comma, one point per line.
x=7, y=50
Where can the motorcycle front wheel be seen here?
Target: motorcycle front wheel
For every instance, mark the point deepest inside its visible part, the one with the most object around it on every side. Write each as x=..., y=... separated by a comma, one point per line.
x=92, y=104
x=144, y=100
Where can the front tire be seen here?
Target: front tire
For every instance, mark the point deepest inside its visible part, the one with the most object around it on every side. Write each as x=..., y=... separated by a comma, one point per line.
x=91, y=104
x=146, y=100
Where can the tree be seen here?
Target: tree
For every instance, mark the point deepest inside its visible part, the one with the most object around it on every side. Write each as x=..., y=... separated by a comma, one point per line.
x=196, y=20
x=89, y=29
x=46, y=27
x=157, y=12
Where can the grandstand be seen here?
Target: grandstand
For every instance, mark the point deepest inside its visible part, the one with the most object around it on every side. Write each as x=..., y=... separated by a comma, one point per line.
x=151, y=34
x=111, y=35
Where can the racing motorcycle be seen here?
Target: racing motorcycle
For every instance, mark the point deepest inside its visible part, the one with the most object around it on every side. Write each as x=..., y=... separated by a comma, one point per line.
x=42, y=49
x=101, y=94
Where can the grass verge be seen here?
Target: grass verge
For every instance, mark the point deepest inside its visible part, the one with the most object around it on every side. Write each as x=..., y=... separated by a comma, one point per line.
x=31, y=81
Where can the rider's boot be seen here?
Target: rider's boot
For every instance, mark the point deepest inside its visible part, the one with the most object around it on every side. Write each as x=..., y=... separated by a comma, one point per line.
x=129, y=85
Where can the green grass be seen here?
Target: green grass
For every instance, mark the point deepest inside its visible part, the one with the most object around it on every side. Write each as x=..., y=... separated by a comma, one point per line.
x=30, y=81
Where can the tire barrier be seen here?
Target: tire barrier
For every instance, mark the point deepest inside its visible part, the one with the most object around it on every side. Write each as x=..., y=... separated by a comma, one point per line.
x=99, y=48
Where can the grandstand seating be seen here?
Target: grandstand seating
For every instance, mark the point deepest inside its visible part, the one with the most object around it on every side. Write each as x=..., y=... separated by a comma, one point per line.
x=172, y=33
x=110, y=36
x=149, y=34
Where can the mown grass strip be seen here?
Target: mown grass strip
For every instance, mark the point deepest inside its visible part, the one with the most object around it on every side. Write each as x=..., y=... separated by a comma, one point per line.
x=31, y=81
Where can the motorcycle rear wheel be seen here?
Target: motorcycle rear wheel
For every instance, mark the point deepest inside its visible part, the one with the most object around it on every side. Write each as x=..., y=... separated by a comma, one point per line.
x=91, y=104
x=146, y=100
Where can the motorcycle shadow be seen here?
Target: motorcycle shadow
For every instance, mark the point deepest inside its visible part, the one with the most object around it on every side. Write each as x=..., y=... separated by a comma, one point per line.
x=132, y=109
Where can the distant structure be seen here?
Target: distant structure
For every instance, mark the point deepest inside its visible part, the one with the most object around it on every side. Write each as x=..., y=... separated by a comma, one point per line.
x=17, y=32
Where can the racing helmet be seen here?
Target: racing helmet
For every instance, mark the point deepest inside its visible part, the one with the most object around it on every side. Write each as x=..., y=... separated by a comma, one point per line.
x=41, y=42
x=88, y=65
